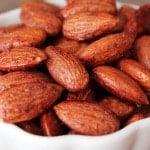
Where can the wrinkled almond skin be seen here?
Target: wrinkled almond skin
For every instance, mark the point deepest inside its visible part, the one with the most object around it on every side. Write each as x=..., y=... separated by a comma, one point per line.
x=119, y=84
x=72, y=9
x=87, y=25
x=121, y=109
x=21, y=58
x=26, y=101
x=51, y=125
x=21, y=38
x=141, y=50
x=48, y=22
x=87, y=118
x=66, y=69
x=70, y=46
x=87, y=94
x=21, y=77
x=109, y=48
x=138, y=72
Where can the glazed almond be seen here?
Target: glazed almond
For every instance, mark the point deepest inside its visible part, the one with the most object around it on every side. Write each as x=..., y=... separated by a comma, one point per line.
x=87, y=118
x=87, y=25
x=26, y=101
x=21, y=38
x=21, y=59
x=136, y=71
x=120, y=84
x=66, y=69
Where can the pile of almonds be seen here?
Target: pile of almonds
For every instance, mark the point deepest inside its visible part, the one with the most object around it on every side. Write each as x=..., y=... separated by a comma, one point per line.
x=82, y=69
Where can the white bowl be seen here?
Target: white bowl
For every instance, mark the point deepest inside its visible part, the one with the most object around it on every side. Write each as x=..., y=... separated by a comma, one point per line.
x=133, y=137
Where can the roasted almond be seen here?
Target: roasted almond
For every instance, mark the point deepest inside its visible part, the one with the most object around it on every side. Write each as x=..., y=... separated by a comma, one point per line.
x=21, y=77
x=87, y=25
x=51, y=125
x=87, y=118
x=138, y=72
x=120, y=108
x=26, y=101
x=66, y=69
x=120, y=84
x=43, y=20
x=141, y=50
x=21, y=58
x=21, y=38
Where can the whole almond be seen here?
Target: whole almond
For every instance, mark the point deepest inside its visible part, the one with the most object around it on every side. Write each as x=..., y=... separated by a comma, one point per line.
x=20, y=77
x=21, y=38
x=87, y=25
x=66, y=69
x=120, y=108
x=141, y=50
x=87, y=118
x=119, y=84
x=21, y=58
x=138, y=72
x=28, y=100
x=72, y=9
x=43, y=20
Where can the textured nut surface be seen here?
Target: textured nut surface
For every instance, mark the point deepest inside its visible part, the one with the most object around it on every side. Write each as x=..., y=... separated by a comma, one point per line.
x=119, y=84
x=87, y=118
x=87, y=25
x=26, y=101
x=66, y=69
x=21, y=58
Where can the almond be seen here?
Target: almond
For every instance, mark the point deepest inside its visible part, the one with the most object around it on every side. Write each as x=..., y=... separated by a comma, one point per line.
x=87, y=25
x=72, y=8
x=136, y=71
x=87, y=118
x=21, y=58
x=51, y=125
x=66, y=69
x=20, y=77
x=119, y=84
x=141, y=50
x=120, y=108
x=28, y=100
x=21, y=38
x=43, y=20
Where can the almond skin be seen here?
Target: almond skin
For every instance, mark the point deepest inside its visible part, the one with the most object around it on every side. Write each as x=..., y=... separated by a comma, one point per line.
x=109, y=48
x=119, y=84
x=51, y=125
x=43, y=20
x=20, y=77
x=87, y=118
x=138, y=72
x=72, y=9
x=26, y=101
x=121, y=109
x=141, y=50
x=66, y=69
x=23, y=37
x=87, y=25
x=21, y=59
